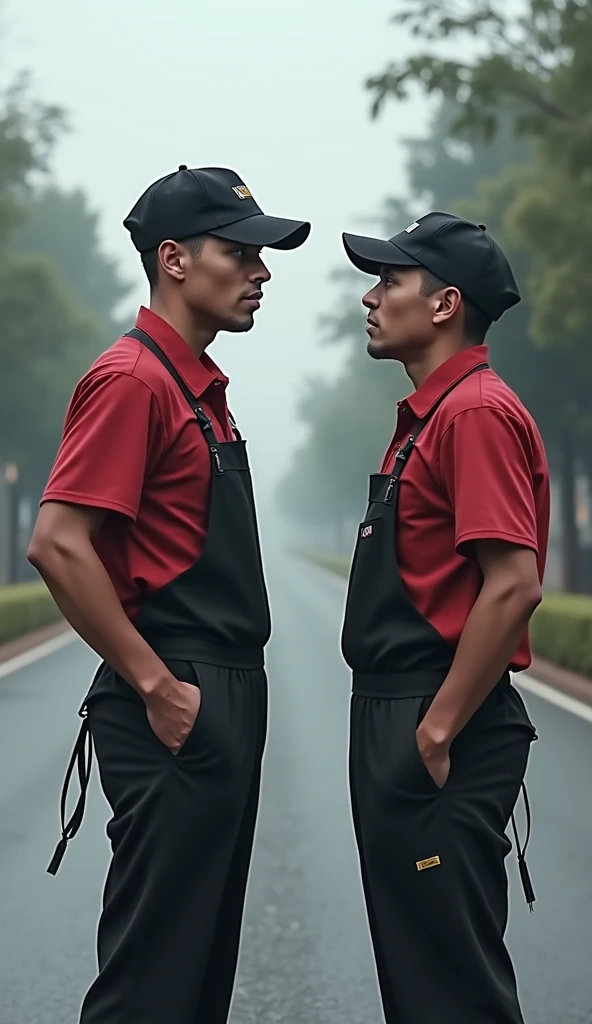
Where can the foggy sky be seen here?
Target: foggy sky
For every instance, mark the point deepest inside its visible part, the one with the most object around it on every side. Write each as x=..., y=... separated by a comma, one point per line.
x=271, y=88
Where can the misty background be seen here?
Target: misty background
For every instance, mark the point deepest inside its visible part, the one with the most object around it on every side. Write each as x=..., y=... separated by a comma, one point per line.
x=274, y=90
x=118, y=94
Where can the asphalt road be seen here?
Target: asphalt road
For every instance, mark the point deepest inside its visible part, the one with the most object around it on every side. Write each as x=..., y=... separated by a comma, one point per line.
x=306, y=956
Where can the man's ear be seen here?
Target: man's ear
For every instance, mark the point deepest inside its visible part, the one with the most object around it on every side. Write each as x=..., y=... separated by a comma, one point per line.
x=446, y=304
x=173, y=258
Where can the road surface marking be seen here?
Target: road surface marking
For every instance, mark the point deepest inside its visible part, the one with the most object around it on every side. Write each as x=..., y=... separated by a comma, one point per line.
x=7, y=668
x=553, y=696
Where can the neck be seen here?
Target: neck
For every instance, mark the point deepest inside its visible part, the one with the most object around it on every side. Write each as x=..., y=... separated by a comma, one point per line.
x=197, y=335
x=420, y=366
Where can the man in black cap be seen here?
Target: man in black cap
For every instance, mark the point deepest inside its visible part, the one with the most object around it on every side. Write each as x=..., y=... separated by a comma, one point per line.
x=447, y=572
x=147, y=538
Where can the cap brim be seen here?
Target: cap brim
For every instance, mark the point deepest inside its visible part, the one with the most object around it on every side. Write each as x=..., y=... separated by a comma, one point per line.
x=370, y=254
x=273, y=232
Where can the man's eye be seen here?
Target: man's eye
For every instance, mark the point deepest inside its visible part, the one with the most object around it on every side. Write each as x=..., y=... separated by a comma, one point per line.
x=247, y=252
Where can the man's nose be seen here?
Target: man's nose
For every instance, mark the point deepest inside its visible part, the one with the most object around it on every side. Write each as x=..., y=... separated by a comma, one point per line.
x=370, y=300
x=260, y=273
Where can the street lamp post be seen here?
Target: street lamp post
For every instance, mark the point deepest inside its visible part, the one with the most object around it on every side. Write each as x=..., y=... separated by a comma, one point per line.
x=11, y=476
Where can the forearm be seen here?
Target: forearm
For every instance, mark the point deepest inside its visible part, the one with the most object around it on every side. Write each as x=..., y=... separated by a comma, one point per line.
x=489, y=641
x=84, y=593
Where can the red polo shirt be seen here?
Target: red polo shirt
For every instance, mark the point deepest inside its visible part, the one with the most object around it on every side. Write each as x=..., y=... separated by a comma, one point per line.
x=132, y=445
x=479, y=471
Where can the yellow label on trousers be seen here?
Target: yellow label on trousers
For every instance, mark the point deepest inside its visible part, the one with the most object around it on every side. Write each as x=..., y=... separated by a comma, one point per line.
x=431, y=862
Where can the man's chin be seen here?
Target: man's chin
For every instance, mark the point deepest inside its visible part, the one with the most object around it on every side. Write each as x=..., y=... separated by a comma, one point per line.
x=239, y=324
x=376, y=349
x=383, y=349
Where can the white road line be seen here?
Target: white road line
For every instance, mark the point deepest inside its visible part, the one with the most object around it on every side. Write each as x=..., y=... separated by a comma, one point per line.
x=553, y=696
x=523, y=680
x=7, y=668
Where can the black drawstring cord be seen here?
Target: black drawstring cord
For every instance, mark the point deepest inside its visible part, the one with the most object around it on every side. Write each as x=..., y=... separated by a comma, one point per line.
x=82, y=759
x=522, y=866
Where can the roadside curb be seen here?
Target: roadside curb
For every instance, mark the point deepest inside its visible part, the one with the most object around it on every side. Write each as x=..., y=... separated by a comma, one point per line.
x=563, y=679
x=28, y=641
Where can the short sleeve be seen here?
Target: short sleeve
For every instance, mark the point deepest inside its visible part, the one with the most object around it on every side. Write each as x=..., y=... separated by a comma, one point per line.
x=485, y=469
x=111, y=436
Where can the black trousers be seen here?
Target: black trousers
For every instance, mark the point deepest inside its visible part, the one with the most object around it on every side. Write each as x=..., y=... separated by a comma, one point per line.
x=433, y=860
x=182, y=836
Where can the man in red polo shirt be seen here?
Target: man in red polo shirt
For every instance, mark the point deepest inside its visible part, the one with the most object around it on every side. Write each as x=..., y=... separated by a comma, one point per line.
x=447, y=573
x=147, y=539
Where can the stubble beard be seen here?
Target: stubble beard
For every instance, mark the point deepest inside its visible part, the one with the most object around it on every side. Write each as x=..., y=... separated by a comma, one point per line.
x=374, y=350
x=236, y=326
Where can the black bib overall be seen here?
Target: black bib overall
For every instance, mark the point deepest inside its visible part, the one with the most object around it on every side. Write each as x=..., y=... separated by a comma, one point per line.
x=182, y=826
x=432, y=860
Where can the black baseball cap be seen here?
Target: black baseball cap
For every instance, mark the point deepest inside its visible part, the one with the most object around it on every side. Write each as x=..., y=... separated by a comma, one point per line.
x=455, y=250
x=207, y=200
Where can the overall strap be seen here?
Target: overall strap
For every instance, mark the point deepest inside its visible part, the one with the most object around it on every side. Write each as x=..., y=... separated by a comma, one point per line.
x=404, y=451
x=203, y=420
x=521, y=851
x=81, y=760
x=235, y=429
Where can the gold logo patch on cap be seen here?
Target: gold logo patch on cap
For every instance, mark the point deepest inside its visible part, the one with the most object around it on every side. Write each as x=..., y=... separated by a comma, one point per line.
x=431, y=862
x=242, y=191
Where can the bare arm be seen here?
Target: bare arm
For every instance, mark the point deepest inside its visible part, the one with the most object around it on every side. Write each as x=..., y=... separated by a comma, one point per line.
x=61, y=550
x=510, y=593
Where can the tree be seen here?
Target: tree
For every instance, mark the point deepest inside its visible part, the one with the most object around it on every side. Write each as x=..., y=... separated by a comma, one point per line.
x=28, y=130
x=442, y=167
x=55, y=312
x=537, y=64
x=555, y=387
x=62, y=225
x=536, y=69
x=41, y=356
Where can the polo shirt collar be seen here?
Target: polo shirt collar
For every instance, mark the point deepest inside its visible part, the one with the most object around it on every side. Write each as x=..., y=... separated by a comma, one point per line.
x=422, y=401
x=197, y=372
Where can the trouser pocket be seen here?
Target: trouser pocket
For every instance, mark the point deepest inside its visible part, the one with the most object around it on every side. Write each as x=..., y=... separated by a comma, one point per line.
x=193, y=674
x=419, y=706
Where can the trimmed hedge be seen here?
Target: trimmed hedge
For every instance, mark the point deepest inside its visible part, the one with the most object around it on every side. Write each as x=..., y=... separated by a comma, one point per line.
x=339, y=564
x=25, y=607
x=560, y=629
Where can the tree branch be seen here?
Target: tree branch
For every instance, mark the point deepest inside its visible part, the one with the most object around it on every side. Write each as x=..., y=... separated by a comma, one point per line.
x=485, y=82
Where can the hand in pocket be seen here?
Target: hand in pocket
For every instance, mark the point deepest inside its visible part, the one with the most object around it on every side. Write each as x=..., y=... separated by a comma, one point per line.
x=435, y=757
x=172, y=712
